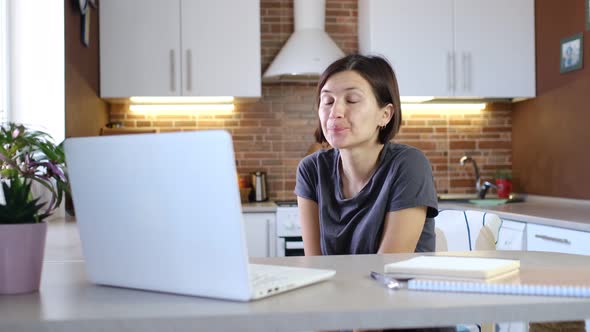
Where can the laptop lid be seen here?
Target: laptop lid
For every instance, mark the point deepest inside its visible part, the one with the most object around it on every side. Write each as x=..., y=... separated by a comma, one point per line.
x=160, y=212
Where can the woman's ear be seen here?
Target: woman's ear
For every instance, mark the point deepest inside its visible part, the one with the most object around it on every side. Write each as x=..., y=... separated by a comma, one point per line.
x=388, y=111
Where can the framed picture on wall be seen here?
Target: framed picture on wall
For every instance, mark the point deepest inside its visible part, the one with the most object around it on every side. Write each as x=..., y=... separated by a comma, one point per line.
x=571, y=53
x=587, y=14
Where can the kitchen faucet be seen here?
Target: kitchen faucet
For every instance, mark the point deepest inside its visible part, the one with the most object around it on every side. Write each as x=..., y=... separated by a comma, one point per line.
x=481, y=189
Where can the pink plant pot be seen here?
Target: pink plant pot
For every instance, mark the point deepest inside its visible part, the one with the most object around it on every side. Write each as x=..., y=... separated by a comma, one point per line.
x=22, y=247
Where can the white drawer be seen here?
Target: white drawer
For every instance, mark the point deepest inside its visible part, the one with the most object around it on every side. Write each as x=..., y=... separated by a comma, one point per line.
x=511, y=236
x=555, y=239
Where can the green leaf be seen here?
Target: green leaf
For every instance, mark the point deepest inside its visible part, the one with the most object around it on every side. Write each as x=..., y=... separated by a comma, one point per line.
x=28, y=155
x=19, y=208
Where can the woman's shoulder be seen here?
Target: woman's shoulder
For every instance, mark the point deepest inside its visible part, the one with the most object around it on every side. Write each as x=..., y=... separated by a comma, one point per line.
x=403, y=157
x=323, y=156
x=403, y=152
x=407, y=163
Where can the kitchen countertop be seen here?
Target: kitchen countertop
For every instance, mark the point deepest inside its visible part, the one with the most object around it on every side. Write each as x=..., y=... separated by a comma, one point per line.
x=550, y=211
x=543, y=210
x=254, y=207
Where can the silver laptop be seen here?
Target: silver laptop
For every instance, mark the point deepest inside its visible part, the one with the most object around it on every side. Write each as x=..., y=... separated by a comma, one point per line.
x=162, y=212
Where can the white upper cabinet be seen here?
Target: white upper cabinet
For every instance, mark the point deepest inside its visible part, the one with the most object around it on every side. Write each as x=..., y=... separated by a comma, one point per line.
x=454, y=48
x=180, y=48
x=139, y=48
x=221, y=42
x=416, y=36
x=495, y=47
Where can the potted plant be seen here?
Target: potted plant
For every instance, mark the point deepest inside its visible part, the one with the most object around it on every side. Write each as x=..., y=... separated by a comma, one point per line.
x=503, y=179
x=27, y=158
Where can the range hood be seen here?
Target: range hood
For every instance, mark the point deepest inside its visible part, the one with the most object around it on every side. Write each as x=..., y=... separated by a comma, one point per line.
x=309, y=50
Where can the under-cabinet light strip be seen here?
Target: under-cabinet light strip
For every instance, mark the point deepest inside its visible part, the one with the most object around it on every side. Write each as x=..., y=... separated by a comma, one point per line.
x=414, y=99
x=167, y=108
x=443, y=107
x=182, y=100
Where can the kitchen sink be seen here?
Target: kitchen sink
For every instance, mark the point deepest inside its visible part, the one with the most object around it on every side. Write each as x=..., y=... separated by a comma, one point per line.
x=474, y=200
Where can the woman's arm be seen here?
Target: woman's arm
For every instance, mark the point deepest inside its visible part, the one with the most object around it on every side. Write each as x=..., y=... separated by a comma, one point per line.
x=402, y=229
x=310, y=226
x=401, y=233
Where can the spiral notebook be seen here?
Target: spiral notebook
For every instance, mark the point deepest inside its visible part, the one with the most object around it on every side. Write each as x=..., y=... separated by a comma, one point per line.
x=570, y=282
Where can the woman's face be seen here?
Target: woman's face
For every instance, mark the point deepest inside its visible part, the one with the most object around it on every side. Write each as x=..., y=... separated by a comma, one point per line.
x=348, y=111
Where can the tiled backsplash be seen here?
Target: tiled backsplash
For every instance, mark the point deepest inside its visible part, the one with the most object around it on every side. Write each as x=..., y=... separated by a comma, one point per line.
x=275, y=132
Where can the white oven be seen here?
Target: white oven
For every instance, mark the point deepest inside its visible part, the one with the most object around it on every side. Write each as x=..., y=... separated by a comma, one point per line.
x=289, y=240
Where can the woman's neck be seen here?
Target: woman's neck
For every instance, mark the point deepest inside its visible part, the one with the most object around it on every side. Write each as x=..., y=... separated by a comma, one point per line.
x=358, y=165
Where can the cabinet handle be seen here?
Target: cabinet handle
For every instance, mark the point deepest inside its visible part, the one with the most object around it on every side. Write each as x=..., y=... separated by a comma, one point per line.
x=464, y=65
x=189, y=70
x=449, y=82
x=553, y=239
x=172, y=71
x=268, y=238
x=454, y=71
x=469, y=68
x=451, y=70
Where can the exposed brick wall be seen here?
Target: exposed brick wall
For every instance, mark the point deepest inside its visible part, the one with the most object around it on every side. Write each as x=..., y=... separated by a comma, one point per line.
x=274, y=133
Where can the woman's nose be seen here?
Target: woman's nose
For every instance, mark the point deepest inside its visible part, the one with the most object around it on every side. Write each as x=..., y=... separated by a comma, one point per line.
x=338, y=109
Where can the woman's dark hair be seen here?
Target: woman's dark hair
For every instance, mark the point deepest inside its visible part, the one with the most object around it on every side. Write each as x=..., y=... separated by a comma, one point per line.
x=377, y=71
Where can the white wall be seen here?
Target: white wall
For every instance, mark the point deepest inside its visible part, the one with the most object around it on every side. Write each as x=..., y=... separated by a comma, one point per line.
x=36, y=65
x=3, y=78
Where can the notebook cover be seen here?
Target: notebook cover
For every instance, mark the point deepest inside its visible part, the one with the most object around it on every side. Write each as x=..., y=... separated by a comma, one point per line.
x=437, y=267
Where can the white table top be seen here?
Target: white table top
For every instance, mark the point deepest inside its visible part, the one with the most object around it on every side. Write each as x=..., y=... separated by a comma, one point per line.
x=68, y=302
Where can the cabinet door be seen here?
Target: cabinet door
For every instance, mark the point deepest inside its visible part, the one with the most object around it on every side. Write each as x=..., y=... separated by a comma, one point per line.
x=257, y=233
x=221, y=47
x=512, y=327
x=139, y=48
x=511, y=236
x=416, y=36
x=495, y=48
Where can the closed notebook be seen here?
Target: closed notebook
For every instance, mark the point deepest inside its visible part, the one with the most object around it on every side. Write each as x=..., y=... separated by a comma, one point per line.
x=458, y=268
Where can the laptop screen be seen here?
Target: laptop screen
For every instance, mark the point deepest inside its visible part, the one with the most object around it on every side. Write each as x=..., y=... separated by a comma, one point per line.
x=160, y=211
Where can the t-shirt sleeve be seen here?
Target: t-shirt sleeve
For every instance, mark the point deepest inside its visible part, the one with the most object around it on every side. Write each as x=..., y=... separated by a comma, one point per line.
x=306, y=180
x=413, y=184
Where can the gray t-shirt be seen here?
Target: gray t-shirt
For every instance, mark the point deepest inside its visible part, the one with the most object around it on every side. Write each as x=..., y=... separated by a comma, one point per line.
x=403, y=179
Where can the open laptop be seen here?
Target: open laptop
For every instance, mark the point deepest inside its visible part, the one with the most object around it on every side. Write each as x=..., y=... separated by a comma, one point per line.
x=162, y=212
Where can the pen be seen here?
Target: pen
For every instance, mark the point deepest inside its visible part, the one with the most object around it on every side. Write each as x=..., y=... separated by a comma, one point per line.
x=387, y=281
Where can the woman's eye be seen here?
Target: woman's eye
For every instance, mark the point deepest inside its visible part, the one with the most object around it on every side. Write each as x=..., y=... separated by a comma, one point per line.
x=328, y=101
x=353, y=99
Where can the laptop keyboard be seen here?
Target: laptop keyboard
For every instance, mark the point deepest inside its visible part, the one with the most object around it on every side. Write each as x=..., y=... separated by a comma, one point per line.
x=269, y=275
x=270, y=279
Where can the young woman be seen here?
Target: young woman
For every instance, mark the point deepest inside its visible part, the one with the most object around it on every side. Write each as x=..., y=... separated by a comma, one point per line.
x=366, y=195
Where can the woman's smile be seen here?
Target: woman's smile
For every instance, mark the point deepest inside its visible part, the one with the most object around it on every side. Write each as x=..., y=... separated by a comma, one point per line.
x=337, y=129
